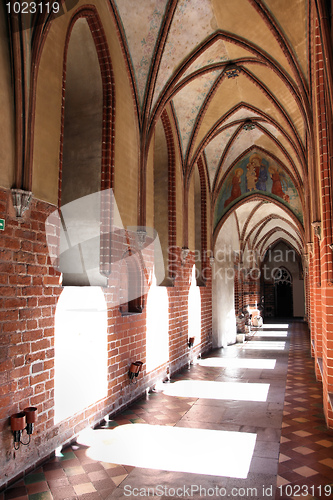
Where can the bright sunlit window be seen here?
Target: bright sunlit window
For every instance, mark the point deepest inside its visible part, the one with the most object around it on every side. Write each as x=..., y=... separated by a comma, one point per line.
x=173, y=449
x=194, y=310
x=157, y=346
x=80, y=350
x=218, y=390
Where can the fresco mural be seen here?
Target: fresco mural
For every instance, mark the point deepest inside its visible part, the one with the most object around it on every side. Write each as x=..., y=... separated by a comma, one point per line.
x=257, y=173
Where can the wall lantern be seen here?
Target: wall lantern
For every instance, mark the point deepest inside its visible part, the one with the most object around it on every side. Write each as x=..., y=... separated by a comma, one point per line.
x=134, y=370
x=191, y=342
x=317, y=229
x=21, y=421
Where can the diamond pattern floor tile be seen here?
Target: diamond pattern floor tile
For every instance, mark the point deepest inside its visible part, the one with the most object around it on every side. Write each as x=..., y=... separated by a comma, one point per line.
x=308, y=436
x=306, y=445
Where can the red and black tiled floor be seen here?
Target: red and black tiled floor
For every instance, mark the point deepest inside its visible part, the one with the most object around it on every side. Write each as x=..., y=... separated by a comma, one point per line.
x=293, y=452
x=306, y=445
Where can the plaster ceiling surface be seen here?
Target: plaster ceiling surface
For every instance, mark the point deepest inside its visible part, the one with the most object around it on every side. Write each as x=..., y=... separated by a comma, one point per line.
x=235, y=75
x=271, y=240
x=245, y=140
x=276, y=226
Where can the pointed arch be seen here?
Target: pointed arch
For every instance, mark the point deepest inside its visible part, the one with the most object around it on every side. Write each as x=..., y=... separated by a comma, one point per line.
x=86, y=157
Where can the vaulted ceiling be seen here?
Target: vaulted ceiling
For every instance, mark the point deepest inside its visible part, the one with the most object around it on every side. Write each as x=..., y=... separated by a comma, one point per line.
x=236, y=75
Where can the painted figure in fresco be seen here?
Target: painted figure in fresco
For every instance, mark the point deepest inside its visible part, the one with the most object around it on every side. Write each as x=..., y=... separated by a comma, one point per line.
x=252, y=172
x=262, y=178
x=236, y=189
x=258, y=179
x=251, y=176
x=278, y=177
x=256, y=175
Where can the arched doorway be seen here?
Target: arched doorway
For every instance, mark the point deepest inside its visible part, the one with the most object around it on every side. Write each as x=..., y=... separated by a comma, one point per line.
x=283, y=293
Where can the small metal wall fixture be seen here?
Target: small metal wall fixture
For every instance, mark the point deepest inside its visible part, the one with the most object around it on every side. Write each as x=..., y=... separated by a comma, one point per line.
x=317, y=229
x=141, y=236
x=21, y=421
x=21, y=201
x=134, y=370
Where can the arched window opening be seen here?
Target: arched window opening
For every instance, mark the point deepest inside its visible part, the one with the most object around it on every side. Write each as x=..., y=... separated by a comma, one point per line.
x=282, y=276
x=165, y=200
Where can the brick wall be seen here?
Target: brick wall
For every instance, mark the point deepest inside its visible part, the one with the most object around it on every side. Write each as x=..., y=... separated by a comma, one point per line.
x=320, y=275
x=29, y=292
x=28, y=296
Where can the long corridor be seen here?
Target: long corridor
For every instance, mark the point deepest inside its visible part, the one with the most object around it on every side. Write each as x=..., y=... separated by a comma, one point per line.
x=245, y=421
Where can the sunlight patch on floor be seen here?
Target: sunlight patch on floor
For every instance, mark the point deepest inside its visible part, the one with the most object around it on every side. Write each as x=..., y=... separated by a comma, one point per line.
x=271, y=333
x=276, y=326
x=176, y=449
x=259, y=364
x=218, y=390
x=265, y=345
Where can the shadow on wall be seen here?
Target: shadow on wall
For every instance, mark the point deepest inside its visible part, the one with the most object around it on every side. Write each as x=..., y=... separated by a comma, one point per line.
x=224, y=320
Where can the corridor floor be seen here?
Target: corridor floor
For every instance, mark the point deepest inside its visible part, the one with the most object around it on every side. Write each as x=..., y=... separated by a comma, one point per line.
x=245, y=421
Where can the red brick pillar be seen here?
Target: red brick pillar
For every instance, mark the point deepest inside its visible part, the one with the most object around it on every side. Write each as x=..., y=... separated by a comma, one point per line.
x=324, y=338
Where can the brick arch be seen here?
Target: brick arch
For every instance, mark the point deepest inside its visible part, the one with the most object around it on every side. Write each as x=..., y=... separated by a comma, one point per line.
x=291, y=247
x=172, y=227
x=203, y=199
x=258, y=197
x=108, y=125
x=203, y=189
